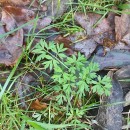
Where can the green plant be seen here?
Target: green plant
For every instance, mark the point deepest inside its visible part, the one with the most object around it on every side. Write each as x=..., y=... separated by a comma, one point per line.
x=73, y=76
x=74, y=79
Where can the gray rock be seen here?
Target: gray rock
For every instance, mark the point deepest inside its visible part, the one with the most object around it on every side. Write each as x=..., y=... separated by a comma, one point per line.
x=113, y=59
x=127, y=99
x=123, y=76
x=110, y=112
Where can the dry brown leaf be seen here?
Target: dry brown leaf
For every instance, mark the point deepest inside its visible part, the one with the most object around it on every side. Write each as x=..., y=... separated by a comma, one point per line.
x=42, y=23
x=86, y=46
x=15, y=2
x=96, y=31
x=67, y=44
x=37, y=105
x=11, y=45
x=13, y=16
x=20, y=14
x=2, y=30
x=87, y=21
x=103, y=30
x=100, y=31
x=82, y=44
x=111, y=18
x=11, y=48
x=8, y=21
x=122, y=25
x=33, y=3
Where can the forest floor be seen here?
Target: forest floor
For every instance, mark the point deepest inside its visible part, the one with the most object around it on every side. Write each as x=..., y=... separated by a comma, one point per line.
x=64, y=64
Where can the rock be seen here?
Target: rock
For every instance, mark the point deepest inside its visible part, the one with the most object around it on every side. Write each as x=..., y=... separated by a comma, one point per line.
x=24, y=89
x=113, y=59
x=110, y=112
x=127, y=99
x=123, y=76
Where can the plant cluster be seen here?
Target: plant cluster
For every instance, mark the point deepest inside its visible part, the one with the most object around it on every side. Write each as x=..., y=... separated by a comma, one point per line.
x=74, y=79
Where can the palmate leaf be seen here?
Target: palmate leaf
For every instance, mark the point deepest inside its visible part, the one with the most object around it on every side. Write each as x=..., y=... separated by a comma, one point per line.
x=60, y=48
x=105, y=79
x=58, y=78
x=52, y=46
x=48, y=57
x=54, y=49
x=73, y=78
x=69, y=61
x=40, y=57
x=107, y=92
x=72, y=70
x=95, y=88
x=93, y=67
x=43, y=44
x=48, y=64
x=61, y=98
x=82, y=87
x=38, y=51
x=55, y=63
x=58, y=69
x=66, y=76
x=62, y=55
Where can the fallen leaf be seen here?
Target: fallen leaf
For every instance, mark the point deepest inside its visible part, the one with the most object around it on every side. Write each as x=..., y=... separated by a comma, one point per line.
x=42, y=23
x=111, y=18
x=67, y=44
x=103, y=30
x=15, y=2
x=8, y=21
x=122, y=25
x=37, y=105
x=11, y=48
x=20, y=14
x=87, y=21
x=100, y=31
x=86, y=46
x=126, y=39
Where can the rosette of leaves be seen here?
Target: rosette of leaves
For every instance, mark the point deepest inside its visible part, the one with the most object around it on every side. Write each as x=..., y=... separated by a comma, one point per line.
x=74, y=76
